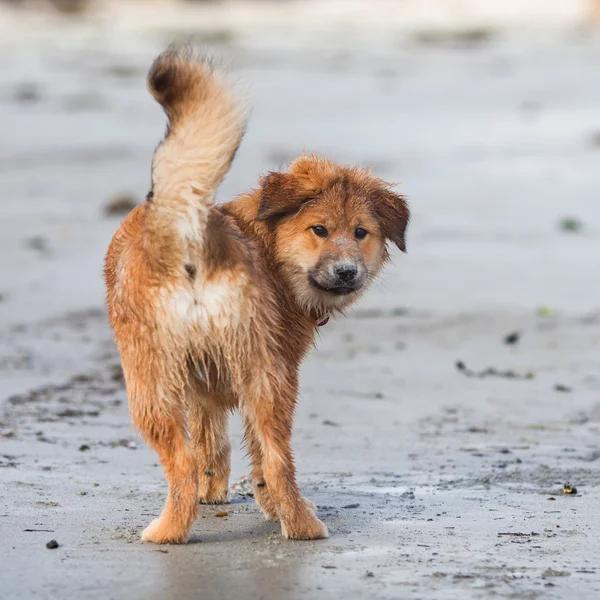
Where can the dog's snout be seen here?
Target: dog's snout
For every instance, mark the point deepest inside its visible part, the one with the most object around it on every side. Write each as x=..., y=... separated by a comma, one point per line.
x=345, y=272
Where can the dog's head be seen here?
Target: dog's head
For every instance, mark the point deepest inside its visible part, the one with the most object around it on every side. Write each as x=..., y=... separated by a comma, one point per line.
x=331, y=225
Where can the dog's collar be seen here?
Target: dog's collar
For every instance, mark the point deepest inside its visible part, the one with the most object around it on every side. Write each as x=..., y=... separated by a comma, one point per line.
x=323, y=320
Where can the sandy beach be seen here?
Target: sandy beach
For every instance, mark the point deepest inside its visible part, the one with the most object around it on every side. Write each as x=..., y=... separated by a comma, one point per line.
x=438, y=424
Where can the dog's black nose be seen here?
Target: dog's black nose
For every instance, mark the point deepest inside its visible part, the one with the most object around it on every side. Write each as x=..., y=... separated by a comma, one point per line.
x=345, y=272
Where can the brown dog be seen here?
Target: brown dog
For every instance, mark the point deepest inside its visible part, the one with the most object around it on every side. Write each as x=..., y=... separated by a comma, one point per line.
x=214, y=308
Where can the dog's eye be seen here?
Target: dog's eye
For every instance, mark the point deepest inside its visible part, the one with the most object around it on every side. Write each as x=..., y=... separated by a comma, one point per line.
x=320, y=231
x=360, y=233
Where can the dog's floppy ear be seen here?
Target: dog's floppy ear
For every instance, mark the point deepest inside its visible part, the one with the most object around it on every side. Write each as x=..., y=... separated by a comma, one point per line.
x=281, y=193
x=392, y=212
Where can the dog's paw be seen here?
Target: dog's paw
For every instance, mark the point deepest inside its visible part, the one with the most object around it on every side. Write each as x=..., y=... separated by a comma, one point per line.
x=267, y=507
x=159, y=532
x=305, y=527
x=265, y=503
x=214, y=497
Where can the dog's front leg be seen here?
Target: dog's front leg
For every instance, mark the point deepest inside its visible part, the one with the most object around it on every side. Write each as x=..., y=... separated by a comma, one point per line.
x=268, y=418
x=261, y=493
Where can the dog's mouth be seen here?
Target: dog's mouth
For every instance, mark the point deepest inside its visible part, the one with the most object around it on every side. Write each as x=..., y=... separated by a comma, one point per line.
x=336, y=289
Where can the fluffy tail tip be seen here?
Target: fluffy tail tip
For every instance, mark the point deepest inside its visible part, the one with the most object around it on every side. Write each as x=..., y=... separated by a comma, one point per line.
x=183, y=77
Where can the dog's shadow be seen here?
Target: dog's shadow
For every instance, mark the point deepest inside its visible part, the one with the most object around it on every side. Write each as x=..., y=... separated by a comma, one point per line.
x=250, y=531
x=250, y=524
x=238, y=525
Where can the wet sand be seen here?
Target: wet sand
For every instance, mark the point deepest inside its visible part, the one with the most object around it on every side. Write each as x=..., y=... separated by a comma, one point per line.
x=433, y=483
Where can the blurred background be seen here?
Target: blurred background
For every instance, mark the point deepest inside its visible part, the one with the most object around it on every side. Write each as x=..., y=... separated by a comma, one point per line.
x=485, y=112
x=464, y=386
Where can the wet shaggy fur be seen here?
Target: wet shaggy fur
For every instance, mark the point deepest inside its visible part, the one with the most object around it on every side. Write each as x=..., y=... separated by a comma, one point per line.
x=214, y=308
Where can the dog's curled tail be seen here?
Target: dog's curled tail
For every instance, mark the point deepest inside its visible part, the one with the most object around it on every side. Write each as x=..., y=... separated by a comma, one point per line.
x=207, y=121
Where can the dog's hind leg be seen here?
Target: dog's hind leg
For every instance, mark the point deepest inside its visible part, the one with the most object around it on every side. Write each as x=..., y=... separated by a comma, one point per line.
x=161, y=421
x=207, y=425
